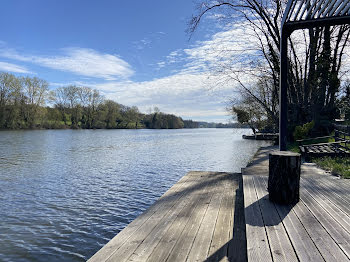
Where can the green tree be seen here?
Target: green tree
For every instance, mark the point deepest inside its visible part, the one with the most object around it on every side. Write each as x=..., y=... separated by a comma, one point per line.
x=10, y=97
x=109, y=112
x=73, y=101
x=35, y=93
x=60, y=99
x=90, y=99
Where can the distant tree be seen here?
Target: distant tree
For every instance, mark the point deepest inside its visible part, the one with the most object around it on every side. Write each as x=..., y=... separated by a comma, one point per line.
x=23, y=105
x=73, y=101
x=110, y=113
x=250, y=113
x=35, y=93
x=133, y=115
x=10, y=98
x=190, y=124
x=60, y=100
x=90, y=99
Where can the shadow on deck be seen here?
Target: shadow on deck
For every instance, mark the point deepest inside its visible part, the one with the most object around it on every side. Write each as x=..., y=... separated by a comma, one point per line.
x=215, y=216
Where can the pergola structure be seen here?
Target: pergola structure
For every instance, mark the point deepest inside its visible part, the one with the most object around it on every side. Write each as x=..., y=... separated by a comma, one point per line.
x=301, y=14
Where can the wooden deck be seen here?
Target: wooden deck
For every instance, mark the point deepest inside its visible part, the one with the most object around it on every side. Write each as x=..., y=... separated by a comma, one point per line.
x=325, y=150
x=315, y=229
x=206, y=217
x=195, y=220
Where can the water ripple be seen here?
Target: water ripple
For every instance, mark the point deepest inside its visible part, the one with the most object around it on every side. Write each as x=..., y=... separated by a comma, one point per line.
x=66, y=193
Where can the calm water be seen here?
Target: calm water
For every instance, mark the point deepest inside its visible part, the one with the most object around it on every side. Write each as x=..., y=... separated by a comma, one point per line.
x=66, y=193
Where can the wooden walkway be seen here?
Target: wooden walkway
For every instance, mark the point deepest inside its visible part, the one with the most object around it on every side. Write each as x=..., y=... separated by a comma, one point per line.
x=315, y=229
x=326, y=150
x=206, y=217
x=195, y=220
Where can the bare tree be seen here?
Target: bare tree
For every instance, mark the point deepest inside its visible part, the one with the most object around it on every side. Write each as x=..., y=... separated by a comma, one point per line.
x=36, y=92
x=315, y=58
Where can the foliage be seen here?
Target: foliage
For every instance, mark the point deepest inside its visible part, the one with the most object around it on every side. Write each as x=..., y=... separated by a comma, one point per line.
x=294, y=147
x=160, y=120
x=337, y=165
x=316, y=60
x=248, y=111
x=23, y=105
x=190, y=124
x=301, y=132
x=344, y=102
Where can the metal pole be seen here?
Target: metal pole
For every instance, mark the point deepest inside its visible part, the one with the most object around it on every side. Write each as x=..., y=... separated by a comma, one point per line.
x=283, y=89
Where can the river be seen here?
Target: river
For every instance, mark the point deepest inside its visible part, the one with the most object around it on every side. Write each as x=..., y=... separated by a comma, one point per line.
x=66, y=193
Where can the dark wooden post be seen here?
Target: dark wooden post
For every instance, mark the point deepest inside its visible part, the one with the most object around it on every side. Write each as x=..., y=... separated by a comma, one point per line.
x=284, y=177
x=283, y=89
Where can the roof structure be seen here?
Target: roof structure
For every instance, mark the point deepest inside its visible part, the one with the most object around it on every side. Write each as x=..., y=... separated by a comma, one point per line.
x=306, y=13
x=301, y=14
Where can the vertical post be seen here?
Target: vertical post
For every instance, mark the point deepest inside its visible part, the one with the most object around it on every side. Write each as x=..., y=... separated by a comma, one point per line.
x=283, y=89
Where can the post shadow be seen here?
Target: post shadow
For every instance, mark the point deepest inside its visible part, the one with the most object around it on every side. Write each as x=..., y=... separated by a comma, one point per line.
x=264, y=203
x=236, y=248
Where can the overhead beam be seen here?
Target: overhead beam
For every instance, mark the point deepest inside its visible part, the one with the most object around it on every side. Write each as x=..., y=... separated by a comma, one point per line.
x=327, y=21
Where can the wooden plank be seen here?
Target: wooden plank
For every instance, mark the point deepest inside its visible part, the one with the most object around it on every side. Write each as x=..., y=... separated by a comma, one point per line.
x=184, y=243
x=147, y=245
x=201, y=244
x=335, y=198
x=335, y=250
x=168, y=241
x=303, y=245
x=167, y=200
x=157, y=222
x=223, y=231
x=340, y=236
x=337, y=186
x=329, y=250
x=280, y=245
x=257, y=242
x=237, y=249
x=328, y=205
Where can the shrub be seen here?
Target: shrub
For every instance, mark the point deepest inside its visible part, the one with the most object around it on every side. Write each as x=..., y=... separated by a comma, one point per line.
x=301, y=132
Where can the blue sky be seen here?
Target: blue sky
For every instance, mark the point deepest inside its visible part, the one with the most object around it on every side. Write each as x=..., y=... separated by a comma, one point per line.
x=134, y=52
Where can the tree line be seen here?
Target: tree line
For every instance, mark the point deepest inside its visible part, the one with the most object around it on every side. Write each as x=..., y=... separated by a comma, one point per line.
x=28, y=103
x=24, y=104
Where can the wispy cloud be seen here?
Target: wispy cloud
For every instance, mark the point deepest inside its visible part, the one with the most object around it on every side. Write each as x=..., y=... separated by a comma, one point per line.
x=148, y=41
x=80, y=61
x=234, y=45
x=8, y=67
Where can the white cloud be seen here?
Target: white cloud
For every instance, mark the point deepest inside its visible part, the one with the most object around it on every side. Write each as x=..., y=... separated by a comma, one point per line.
x=80, y=61
x=191, y=91
x=235, y=46
x=186, y=95
x=13, y=68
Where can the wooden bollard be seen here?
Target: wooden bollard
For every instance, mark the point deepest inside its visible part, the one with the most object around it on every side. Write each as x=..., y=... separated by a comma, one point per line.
x=284, y=177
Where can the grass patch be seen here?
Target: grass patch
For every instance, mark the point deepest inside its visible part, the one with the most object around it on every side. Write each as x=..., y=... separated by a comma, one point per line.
x=337, y=165
x=294, y=147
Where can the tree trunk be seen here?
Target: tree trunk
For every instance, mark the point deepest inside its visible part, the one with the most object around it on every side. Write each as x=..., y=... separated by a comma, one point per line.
x=284, y=177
